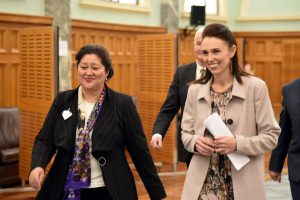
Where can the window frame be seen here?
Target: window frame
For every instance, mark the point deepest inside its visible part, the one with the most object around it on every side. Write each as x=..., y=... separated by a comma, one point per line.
x=142, y=7
x=222, y=11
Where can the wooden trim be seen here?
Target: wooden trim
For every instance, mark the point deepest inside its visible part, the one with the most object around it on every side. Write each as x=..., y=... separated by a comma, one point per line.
x=291, y=34
x=26, y=19
x=116, y=27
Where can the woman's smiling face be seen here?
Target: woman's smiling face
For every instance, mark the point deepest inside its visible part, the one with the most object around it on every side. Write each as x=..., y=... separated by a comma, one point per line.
x=91, y=72
x=217, y=55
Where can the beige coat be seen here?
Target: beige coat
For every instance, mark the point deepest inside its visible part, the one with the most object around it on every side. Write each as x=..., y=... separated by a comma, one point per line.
x=253, y=124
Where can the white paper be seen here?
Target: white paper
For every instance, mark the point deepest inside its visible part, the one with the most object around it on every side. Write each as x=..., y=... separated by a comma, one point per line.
x=217, y=127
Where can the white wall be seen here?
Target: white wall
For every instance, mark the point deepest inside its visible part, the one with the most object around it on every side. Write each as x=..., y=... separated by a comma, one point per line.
x=108, y=15
x=27, y=7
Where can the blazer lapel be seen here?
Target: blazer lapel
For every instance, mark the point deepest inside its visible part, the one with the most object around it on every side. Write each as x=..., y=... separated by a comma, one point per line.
x=70, y=124
x=103, y=137
x=191, y=73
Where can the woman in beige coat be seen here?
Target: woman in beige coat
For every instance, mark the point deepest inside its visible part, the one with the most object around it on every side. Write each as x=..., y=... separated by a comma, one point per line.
x=243, y=103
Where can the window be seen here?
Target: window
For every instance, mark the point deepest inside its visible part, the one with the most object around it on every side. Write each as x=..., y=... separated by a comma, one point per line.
x=141, y=6
x=131, y=2
x=211, y=6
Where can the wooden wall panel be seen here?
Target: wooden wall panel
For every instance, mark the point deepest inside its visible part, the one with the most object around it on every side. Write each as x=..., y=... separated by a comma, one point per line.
x=36, y=88
x=121, y=42
x=10, y=25
x=291, y=59
x=266, y=58
x=5, y=66
x=155, y=73
x=2, y=80
x=186, y=53
x=240, y=42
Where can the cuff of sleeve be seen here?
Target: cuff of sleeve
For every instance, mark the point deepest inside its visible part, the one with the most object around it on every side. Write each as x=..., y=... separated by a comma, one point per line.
x=156, y=135
x=194, y=150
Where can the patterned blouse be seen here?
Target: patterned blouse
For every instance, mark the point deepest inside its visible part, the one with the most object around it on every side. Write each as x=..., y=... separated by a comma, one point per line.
x=218, y=182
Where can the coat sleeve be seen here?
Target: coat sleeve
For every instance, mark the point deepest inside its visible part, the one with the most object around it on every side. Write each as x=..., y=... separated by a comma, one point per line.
x=169, y=108
x=43, y=148
x=188, y=135
x=280, y=152
x=137, y=146
x=267, y=127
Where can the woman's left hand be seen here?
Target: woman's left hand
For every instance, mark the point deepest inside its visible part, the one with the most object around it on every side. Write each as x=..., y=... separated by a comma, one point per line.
x=225, y=144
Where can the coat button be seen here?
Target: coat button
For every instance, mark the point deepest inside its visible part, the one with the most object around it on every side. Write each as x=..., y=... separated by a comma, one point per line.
x=229, y=121
x=101, y=161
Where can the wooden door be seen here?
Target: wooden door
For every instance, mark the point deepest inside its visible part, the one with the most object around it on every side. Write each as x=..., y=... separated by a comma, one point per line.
x=265, y=56
x=156, y=66
x=37, y=87
x=9, y=66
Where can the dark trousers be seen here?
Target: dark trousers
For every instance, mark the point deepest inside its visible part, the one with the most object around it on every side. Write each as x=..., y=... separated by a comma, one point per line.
x=295, y=189
x=99, y=193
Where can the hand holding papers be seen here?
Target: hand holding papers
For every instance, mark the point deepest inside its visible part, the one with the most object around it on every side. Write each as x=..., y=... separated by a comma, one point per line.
x=217, y=127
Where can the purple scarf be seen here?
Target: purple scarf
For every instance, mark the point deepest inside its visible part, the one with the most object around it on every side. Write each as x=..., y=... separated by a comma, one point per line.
x=79, y=175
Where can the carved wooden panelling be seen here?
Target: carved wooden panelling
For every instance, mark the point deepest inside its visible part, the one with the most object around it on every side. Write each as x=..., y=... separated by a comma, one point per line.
x=10, y=24
x=267, y=63
x=37, y=87
x=186, y=53
x=3, y=73
x=291, y=59
x=3, y=39
x=120, y=40
x=4, y=67
x=240, y=42
x=155, y=73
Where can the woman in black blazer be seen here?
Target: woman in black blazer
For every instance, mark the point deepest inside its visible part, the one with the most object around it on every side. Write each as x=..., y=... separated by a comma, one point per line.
x=88, y=129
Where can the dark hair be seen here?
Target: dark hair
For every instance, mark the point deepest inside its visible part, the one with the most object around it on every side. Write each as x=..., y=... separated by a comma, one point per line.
x=101, y=52
x=222, y=32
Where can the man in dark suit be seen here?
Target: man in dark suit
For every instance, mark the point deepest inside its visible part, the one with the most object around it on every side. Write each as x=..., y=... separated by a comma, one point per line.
x=175, y=100
x=289, y=139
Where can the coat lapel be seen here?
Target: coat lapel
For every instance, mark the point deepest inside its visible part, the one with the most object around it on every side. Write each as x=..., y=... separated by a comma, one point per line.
x=104, y=137
x=191, y=73
x=69, y=125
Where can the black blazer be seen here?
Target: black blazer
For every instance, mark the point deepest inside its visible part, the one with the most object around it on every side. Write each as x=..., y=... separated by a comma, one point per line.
x=175, y=100
x=289, y=139
x=118, y=127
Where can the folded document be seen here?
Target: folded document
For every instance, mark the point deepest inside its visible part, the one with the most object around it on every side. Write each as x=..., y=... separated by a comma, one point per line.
x=217, y=127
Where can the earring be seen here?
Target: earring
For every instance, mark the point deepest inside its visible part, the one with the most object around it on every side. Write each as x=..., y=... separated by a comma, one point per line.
x=230, y=66
x=106, y=79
